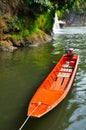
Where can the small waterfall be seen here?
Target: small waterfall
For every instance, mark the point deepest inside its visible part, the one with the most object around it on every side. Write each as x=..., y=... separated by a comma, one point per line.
x=56, y=26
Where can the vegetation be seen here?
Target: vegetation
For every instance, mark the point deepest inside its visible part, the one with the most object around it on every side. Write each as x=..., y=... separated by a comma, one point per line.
x=28, y=21
x=31, y=15
x=80, y=7
x=43, y=10
x=37, y=7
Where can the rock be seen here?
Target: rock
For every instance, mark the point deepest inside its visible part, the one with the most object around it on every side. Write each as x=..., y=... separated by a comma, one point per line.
x=38, y=38
x=19, y=42
x=8, y=43
x=7, y=46
x=62, y=23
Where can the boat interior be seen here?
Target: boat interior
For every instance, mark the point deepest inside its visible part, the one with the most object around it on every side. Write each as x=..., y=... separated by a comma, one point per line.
x=59, y=79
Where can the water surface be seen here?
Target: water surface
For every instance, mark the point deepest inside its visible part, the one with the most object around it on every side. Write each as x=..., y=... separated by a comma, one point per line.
x=23, y=71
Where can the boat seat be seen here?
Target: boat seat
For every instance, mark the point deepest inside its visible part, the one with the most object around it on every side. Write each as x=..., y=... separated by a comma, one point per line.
x=64, y=74
x=67, y=69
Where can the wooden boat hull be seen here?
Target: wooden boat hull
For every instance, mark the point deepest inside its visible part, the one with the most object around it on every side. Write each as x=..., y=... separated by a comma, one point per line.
x=55, y=87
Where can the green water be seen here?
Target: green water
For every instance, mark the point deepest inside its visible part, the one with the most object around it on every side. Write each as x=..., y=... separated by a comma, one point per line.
x=23, y=71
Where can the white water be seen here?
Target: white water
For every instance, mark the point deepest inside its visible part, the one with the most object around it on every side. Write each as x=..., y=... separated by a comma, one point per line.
x=56, y=26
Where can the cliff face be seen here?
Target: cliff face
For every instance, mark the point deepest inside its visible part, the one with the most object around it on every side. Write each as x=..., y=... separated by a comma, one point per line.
x=5, y=14
x=76, y=20
x=12, y=7
x=7, y=6
x=9, y=11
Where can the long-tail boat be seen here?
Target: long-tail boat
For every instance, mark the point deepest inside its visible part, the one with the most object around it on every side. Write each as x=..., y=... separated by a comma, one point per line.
x=55, y=87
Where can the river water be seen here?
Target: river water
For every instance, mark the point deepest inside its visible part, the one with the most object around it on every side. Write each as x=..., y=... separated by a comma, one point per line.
x=21, y=73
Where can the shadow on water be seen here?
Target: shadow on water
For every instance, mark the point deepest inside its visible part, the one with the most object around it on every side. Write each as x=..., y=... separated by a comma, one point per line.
x=23, y=71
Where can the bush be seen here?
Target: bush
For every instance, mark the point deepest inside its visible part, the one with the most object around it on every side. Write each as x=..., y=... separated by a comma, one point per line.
x=45, y=21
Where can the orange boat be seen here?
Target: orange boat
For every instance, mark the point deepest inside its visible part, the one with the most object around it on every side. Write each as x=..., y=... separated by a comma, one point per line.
x=55, y=87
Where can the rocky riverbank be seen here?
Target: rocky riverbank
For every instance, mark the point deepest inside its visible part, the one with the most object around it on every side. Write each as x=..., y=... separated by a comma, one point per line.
x=8, y=43
x=18, y=25
x=14, y=33
x=9, y=29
